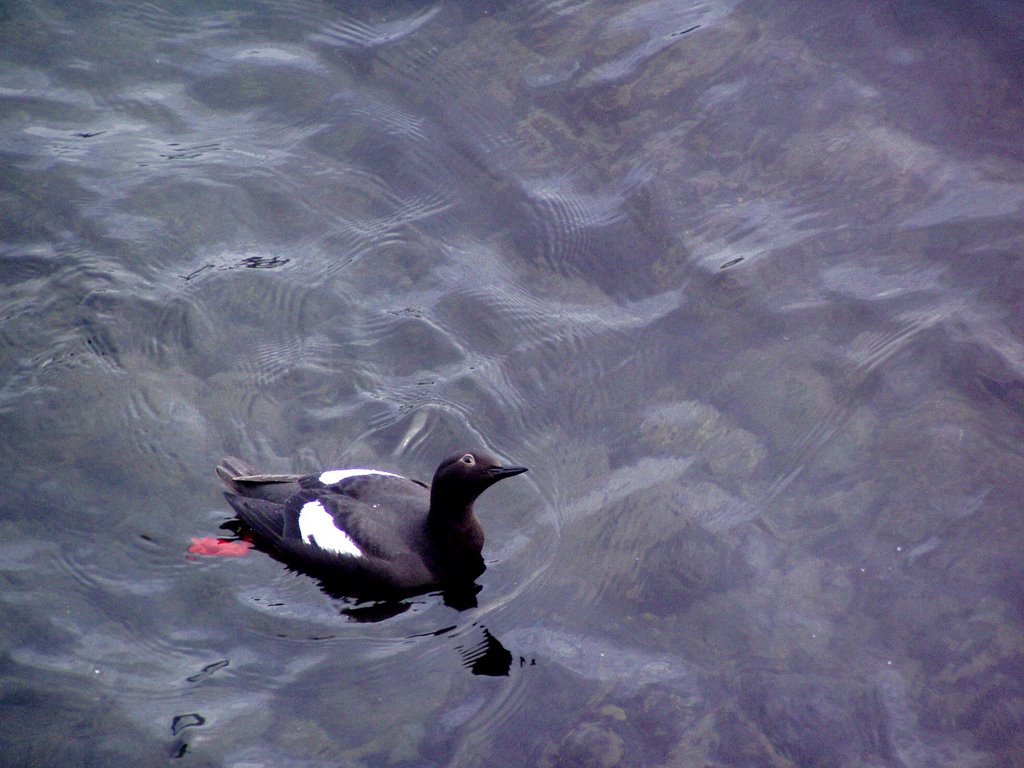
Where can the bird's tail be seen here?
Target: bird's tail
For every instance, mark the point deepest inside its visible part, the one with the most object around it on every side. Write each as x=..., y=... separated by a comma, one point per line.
x=231, y=468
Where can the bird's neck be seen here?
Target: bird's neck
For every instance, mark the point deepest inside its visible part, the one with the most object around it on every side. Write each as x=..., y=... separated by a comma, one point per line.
x=453, y=524
x=456, y=543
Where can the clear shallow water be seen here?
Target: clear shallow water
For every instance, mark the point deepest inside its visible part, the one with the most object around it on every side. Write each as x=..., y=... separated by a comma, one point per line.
x=740, y=282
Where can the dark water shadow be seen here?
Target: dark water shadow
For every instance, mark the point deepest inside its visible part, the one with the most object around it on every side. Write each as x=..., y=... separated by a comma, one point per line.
x=486, y=656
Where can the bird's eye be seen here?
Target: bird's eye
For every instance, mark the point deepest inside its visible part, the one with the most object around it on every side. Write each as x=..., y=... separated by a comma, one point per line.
x=468, y=459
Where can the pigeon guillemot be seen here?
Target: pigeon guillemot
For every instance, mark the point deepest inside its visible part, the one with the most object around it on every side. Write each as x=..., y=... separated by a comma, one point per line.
x=375, y=532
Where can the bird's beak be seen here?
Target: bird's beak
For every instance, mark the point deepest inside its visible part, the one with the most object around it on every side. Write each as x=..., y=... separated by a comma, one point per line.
x=498, y=473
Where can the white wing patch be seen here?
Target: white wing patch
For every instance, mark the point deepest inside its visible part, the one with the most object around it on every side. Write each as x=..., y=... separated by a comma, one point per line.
x=332, y=476
x=316, y=526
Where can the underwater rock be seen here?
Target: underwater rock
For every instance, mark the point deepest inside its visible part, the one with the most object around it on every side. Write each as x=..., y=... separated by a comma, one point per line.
x=687, y=567
x=588, y=745
x=819, y=721
x=730, y=452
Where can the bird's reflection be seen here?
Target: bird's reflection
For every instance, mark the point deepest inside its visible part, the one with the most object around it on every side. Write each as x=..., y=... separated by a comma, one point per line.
x=487, y=656
x=481, y=652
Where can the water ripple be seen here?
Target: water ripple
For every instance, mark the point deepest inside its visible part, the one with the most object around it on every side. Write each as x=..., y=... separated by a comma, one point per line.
x=358, y=33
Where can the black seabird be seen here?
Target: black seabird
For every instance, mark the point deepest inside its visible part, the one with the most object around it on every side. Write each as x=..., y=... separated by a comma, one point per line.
x=369, y=533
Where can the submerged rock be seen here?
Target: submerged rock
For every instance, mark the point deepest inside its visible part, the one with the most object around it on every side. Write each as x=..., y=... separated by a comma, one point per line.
x=685, y=568
x=588, y=745
x=730, y=452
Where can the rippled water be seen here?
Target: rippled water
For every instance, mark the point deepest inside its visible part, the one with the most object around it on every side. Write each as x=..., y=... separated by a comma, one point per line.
x=740, y=282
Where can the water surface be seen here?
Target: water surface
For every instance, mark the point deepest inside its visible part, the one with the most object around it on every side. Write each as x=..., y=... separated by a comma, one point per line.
x=740, y=282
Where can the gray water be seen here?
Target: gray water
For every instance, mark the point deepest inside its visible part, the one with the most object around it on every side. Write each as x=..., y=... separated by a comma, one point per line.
x=740, y=282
